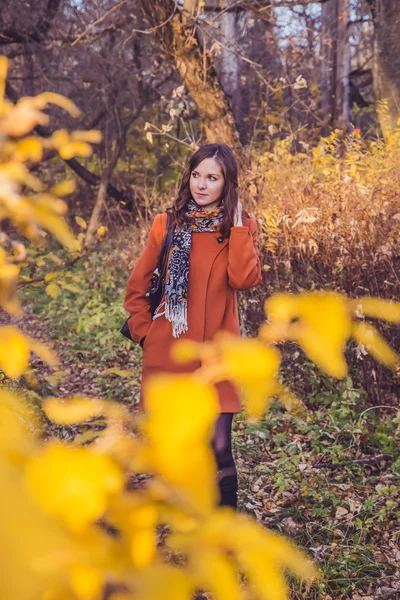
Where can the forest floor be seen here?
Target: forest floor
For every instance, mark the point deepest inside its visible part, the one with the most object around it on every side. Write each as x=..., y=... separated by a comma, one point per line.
x=305, y=479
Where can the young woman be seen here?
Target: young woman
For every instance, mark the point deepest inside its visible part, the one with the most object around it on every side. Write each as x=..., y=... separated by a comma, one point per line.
x=214, y=252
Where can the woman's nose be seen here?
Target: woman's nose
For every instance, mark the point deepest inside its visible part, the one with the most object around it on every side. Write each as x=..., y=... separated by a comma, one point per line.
x=202, y=184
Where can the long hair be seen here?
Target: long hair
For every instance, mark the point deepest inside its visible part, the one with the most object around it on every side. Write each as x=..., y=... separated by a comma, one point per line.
x=225, y=157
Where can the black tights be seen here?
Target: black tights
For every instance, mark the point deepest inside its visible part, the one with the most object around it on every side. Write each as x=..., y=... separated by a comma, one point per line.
x=222, y=447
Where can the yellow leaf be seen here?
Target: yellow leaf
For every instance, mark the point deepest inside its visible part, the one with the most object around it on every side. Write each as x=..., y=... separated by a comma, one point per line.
x=8, y=284
x=375, y=344
x=53, y=98
x=14, y=351
x=72, y=149
x=101, y=232
x=176, y=428
x=254, y=366
x=81, y=222
x=376, y=308
x=162, y=582
x=149, y=137
x=29, y=148
x=120, y=372
x=73, y=483
x=93, y=136
x=302, y=318
x=64, y=188
x=55, y=224
x=52, y=275
x=214, y=571
x=70, y=411
x=52, y=290
x=290, y=401
x=43, y=351
x=23, y=117
x=143, y=548
x=86, y=581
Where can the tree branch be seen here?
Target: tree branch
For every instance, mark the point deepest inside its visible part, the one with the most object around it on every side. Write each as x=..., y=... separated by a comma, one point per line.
x=73, y=163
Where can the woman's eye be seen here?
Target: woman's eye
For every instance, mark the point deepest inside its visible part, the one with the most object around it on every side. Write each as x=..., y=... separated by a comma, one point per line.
x=213, y=178
x=194, y=174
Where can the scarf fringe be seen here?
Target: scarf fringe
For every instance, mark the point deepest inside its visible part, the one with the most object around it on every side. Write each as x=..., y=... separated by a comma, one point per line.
x=177, y=315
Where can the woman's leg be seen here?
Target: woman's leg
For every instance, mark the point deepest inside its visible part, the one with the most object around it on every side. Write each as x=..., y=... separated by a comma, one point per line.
x=222, y=447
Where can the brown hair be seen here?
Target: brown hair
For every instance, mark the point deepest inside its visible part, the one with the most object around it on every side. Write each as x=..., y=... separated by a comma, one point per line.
x=225, y=157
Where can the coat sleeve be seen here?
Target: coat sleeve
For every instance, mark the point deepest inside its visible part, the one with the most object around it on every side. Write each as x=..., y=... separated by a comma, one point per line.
x=136, y=301
x=244, y=267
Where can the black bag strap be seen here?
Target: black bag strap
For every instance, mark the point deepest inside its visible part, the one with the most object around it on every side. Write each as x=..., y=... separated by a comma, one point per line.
x=165, y=248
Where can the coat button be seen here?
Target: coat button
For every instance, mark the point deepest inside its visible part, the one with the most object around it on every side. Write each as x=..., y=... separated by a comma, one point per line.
x=220, y=240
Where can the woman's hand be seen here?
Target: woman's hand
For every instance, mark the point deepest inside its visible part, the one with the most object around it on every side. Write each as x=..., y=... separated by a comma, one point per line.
x=237, y=222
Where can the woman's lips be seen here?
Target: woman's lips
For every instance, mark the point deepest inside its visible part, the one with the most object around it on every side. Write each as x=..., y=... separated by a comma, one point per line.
x=200, y=194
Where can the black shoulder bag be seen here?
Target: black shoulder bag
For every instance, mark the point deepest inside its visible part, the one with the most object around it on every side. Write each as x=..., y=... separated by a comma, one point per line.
x=157, y=284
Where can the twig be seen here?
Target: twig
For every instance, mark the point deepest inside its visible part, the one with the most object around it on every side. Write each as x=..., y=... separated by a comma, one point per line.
x=80, y=36
x=357, y=461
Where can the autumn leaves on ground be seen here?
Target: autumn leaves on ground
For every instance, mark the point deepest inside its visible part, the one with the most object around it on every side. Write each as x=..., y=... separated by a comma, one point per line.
x=320, y=466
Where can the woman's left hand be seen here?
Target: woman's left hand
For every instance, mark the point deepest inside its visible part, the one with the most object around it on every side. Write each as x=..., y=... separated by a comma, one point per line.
x=238, y=215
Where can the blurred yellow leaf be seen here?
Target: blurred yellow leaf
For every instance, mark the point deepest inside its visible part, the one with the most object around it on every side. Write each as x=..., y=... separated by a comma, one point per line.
x=376, y=308
x=81, y=222
x=86, y=581
x=101, y=232
x=163, y=582
x=14, y=351
x=214, y=571
x=143, y=547
x=22, y=118
x=375, y=344
x=52, y=290
x=52, y=275
x=73, y=483
x=303, y=318
x=70, y=411
x=92, y=136
x=43, y=352
x=120, y=372
x=176, y=428
x=64, y=188
x=72, y=149
x=29, y=148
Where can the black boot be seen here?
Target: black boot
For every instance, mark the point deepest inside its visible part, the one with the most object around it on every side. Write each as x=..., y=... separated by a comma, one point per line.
x=228, y=488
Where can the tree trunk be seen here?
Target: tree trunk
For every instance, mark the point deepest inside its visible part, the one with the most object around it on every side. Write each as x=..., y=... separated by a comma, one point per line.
x=335, y=69
x=180, y=40
x=342, y=84
x=230, y=62
x=386, y=70
x=94, y=222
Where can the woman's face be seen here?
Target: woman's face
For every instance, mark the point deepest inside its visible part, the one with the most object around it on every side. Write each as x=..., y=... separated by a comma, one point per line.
x=207, y=183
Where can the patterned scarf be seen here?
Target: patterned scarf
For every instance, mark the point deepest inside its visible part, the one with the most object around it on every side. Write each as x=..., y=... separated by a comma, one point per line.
x=176, y=287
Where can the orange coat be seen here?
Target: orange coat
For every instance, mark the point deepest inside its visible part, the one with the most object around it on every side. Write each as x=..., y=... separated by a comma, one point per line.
x=217, y=268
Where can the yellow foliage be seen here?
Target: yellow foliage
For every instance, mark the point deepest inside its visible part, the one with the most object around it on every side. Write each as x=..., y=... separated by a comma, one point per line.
x=323, y=320
x=304, y=318
x=73, y=483
x=101, y=232
x=86, y=581
x=52, y=290
x=14, y=352
x=181, y=413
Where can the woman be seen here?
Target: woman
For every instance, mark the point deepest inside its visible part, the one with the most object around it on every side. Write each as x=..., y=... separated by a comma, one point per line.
x=214, y=252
